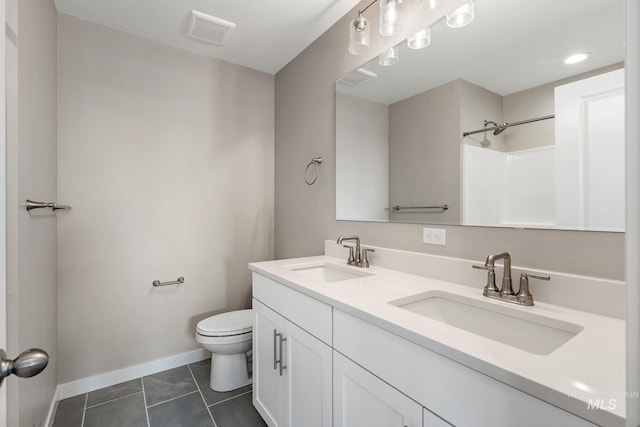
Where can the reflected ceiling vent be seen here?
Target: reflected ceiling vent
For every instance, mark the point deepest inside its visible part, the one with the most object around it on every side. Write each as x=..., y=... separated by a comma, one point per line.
x=357, y=77
x=208, y=28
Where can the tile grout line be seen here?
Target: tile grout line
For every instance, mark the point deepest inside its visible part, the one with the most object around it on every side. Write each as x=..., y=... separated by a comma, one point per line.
x=172, y=399
x=231, y=398
x=202, y=396
x=144, y=397
x=84, y=409
x=112, y=400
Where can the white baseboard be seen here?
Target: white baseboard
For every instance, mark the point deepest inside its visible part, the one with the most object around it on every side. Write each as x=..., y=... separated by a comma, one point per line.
x=96, y=382
x=52, y=409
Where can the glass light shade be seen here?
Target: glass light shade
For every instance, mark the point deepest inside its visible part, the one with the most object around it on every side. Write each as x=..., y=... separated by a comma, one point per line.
x=359, y=35
x=461, y=16
x=432, y=4
x=420, y=40
x=390, y=13
x=389, y=57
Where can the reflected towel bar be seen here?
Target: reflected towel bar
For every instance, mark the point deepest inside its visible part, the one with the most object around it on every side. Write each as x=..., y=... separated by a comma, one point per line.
x=177, y=282
x=442, y=208
x=30, y=204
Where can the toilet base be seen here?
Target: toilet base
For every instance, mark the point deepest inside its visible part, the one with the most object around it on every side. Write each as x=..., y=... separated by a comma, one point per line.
x=229, y=372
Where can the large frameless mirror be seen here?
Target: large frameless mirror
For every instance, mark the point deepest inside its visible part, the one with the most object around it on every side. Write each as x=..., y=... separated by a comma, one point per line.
x=487, y=125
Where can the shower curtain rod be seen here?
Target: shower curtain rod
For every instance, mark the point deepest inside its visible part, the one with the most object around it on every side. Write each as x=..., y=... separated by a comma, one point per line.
x=506, y=125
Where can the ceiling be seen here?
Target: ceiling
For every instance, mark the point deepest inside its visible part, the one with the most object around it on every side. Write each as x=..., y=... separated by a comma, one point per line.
x=511, y=45
x=267, y=36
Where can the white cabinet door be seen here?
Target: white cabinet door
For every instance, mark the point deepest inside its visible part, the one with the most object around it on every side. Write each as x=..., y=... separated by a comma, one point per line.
x=267, y=382
x=307, y=379
x=291, y=372
x=361, y=399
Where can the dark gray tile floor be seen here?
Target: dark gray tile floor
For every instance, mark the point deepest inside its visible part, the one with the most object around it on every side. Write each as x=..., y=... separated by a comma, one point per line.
x=179, y=397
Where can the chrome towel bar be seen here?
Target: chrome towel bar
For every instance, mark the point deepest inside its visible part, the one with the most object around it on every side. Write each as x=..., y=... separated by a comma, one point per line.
x=442, y=207
x=30, y=204
x=177, y=282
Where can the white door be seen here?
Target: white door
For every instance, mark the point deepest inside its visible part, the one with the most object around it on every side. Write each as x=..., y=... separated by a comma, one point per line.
x=590, y=150
x=308, y=378
x=267, y=381
x=361, y=399
x=3, y=238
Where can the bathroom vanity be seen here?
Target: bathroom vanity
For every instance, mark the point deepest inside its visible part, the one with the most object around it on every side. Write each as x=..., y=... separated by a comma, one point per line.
x=335, y=345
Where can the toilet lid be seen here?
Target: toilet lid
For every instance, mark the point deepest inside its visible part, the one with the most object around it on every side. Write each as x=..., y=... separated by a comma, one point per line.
x=230, y=323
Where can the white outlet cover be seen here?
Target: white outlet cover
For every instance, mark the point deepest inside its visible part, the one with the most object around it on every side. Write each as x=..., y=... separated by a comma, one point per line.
x=434, y=236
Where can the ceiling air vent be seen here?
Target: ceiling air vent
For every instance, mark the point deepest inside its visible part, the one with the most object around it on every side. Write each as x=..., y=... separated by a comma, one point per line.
x=357, y=77
x=208, y=28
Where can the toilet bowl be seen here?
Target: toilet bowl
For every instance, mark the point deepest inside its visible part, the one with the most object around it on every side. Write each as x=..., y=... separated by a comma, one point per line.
x=228, y=337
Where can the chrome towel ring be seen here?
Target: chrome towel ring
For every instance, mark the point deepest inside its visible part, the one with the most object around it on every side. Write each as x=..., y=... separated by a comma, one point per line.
x=310, y=180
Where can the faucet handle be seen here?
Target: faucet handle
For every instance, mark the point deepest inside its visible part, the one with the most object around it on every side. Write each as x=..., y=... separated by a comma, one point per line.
x=537, y=276
x=523, y=295
x=490, y=287
x=365, y=260
x=351, y=260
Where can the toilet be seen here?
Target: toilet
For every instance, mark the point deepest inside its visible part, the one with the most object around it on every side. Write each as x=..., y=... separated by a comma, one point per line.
x=228, y=337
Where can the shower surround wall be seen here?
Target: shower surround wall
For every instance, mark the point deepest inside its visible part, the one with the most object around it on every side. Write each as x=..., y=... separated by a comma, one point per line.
x=512, y=189
x=167, y=158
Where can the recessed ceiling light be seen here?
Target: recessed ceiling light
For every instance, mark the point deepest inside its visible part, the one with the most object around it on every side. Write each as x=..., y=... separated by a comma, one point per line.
x=578, y=57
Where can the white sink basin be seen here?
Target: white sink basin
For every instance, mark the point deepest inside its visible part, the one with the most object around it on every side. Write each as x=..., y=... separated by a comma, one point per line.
x=326, y=272
x=513, y=326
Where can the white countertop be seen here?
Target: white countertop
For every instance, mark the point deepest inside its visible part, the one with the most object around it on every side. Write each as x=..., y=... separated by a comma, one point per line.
x=589, y=367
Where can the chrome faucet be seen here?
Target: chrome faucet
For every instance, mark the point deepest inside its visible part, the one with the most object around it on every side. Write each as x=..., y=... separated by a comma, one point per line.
x=523, y=297
x=507, y=285
x=355, y=257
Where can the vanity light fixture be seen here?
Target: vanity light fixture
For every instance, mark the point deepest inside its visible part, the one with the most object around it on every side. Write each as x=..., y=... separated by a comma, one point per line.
x=420, y=40
x=390, y=13
x=390, y=25
x=461, y=16
x=578, y=57
x=359, y=33
x=389, y=57
x=359, y=36
x=431, y=4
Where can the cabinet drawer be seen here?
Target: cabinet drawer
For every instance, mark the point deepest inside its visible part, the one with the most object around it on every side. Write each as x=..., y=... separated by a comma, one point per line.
x=440, y=384
x=308, y=313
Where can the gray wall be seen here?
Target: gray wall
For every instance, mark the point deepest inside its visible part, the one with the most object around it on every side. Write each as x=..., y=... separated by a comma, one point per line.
x=363, y=157
x=167, y=158
x=424, y=157
x=305, y=127
x=31, y=174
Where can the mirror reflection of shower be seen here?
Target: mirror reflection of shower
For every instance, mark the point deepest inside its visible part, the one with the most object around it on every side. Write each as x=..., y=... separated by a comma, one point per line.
x=499, y=128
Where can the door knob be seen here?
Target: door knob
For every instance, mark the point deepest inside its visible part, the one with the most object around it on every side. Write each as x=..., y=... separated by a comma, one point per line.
x=27, y=364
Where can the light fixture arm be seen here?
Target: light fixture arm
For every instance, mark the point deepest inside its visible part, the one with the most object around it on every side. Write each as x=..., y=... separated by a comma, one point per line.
x=360, y=12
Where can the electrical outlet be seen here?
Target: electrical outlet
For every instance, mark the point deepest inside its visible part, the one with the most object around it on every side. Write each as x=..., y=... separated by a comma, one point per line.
x=434, y=236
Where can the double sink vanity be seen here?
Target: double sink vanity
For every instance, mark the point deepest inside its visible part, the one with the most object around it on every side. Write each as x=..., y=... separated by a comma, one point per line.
x=393, y=345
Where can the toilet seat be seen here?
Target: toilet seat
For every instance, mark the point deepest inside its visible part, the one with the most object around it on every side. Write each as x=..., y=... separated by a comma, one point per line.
x=233, y=323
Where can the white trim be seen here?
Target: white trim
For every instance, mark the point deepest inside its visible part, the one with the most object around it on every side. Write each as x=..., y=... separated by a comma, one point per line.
x=632, y=236
x=3, y=207
x=96, y=382
x=52, y=410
